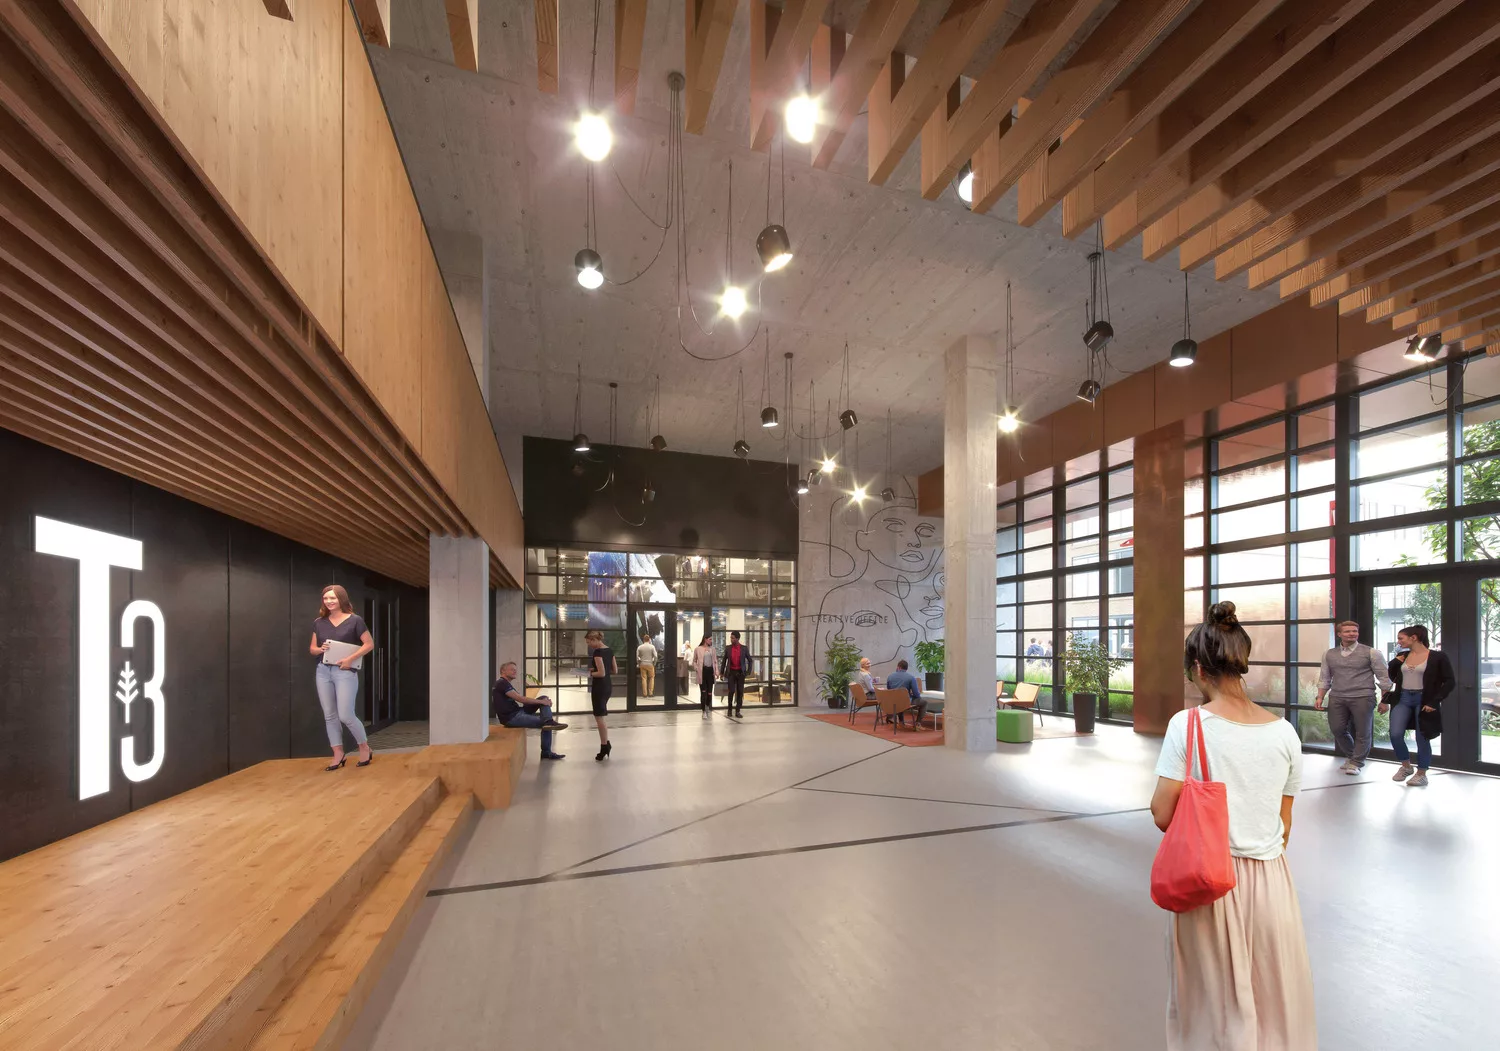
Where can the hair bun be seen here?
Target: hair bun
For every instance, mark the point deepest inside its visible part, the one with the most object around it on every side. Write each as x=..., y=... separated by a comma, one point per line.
x=1222, y=614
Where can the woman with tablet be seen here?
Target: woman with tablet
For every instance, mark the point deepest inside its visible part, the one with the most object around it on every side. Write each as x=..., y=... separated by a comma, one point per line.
x=340, y=639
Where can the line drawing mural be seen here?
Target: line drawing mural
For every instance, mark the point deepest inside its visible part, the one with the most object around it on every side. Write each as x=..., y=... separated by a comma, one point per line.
x=875, y=574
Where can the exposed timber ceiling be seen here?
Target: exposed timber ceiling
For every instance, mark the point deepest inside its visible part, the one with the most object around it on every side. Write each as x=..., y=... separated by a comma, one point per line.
x=1348, y=150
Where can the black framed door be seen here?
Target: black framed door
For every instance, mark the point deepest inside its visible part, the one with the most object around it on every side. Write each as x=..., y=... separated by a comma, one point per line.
x=1460, y=607
x=652, y=652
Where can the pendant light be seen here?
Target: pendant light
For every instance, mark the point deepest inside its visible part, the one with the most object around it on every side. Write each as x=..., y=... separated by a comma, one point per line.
x=802, y=114
x=768, y=416
x=580, y=440
x=591, y=133
x=847, y=418
x=888, y=494
x=1185, y=350
x=741, y=447
x=732, y=303
x=773, y=245
x=658, y=443
x=964, y=184
x=1099, y=332
x=1424, y=350
x=1010, y=416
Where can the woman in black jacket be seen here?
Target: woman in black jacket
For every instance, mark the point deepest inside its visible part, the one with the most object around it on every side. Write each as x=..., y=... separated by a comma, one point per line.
x=1423, y=678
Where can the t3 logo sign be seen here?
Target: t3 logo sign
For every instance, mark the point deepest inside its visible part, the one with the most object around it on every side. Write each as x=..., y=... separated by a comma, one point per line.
x=96, y=552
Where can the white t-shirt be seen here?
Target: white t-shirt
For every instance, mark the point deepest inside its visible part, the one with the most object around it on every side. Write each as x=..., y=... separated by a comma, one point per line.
x=646, y=653
x=1258, y=763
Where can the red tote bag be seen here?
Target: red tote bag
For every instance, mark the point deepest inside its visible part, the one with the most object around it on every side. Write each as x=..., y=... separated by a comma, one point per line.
x=1193, y=867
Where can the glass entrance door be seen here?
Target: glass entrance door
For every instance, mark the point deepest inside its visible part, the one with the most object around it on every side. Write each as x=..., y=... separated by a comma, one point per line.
x=1460, y=608
x=653, y=658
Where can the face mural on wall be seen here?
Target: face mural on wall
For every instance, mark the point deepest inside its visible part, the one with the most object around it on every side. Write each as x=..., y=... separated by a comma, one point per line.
x=884, y=568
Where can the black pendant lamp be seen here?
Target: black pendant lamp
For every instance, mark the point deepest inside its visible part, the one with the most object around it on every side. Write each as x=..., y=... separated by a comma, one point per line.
x=1185, y=350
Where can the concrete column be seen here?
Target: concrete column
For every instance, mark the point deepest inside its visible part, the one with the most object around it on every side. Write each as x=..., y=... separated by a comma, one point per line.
x=459, y=639
x=1159, y=684
x=510, y=635
x=969, y=446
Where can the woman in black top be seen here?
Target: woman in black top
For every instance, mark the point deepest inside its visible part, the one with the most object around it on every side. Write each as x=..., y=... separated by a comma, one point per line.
x=338, y=684
x=1423, y=680
x=601, y=666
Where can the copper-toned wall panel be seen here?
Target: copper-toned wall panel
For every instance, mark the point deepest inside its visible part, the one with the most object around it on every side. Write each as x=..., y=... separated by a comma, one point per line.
x=1281, y=343
x=1077, y=429
x=1356, y=335
x=930, y=493
x=1129, y=406
x=1158, y=577
x=1205, y=385
x=1035, y=446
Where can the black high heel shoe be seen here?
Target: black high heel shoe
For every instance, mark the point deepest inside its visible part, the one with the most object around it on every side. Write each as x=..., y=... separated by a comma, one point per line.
x=604, y=752
x=367, y=762
x=335, y=766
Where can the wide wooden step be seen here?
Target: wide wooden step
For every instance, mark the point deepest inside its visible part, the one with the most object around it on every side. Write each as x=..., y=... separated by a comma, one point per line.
x=315, y=1007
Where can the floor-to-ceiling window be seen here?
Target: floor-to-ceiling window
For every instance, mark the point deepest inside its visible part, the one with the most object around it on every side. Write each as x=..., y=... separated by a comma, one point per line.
x=1063, y=565
x=653, y=609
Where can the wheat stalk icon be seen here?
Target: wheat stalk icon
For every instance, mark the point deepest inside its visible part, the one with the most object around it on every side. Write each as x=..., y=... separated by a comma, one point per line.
x=126, y=691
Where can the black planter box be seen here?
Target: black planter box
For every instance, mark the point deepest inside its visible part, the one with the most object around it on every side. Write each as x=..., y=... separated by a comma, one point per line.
x=1085, y=706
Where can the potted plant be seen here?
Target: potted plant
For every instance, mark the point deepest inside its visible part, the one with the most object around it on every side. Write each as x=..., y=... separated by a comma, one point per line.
x=1087, y=669
x=931, y=656
x=840, y=662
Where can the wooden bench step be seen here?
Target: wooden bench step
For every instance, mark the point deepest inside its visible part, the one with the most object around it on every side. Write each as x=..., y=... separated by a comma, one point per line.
x=315, y=1007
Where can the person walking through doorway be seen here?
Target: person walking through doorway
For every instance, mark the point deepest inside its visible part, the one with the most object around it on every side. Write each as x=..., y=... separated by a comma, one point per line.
x=703, y=663
x=338, y=684
x=1350, y=674
x=602, y=665
x=1424, y=678
x=1240, y=978
x=737, y=664
x=645, y=662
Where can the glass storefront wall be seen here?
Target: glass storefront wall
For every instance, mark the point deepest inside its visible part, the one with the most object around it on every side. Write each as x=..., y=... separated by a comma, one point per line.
x=667, y=600
x=1064, y=570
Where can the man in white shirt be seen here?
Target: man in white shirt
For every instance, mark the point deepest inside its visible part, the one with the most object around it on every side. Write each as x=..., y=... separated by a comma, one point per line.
x=1351, y=671
x=645, y=660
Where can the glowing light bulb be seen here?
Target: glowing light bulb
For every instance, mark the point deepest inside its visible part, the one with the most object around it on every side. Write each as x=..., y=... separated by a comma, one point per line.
x=733, y=301
x=859, y=495
x=1010, y=422
x=802, y=118
x=966, y=186
x=592, y=136
x=829, y=465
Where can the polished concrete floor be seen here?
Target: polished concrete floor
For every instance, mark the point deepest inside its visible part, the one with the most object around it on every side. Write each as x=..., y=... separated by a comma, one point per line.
x=781, y=883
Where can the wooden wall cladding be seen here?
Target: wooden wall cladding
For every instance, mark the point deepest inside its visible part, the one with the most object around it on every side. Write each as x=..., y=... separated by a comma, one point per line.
x=256, y=102
x=164, y=299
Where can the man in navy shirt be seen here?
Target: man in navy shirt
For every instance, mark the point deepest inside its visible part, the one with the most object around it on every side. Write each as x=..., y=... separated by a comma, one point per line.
x=513, y=708
x=901, y=679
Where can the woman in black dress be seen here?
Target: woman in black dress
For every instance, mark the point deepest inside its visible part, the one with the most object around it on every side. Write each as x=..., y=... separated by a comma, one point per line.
x=602, y=665
x=338, y=684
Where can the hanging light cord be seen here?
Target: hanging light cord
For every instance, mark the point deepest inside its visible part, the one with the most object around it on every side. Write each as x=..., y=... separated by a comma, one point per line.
x=1010, y=355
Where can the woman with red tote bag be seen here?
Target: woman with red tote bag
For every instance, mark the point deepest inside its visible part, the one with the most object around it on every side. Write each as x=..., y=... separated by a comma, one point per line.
x=1240, y=977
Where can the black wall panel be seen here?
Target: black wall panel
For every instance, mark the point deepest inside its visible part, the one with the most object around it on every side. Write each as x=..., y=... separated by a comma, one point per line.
x=719, y=504
x=238, y=603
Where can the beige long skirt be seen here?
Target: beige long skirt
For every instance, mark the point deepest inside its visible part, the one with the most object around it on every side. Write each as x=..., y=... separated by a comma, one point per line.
x=1239, y=971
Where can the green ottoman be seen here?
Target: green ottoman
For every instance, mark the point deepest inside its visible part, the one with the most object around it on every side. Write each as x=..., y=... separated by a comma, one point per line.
x=1012, y=726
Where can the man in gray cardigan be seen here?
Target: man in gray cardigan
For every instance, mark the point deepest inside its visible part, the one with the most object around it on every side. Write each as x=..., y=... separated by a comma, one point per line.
x=1351, y=671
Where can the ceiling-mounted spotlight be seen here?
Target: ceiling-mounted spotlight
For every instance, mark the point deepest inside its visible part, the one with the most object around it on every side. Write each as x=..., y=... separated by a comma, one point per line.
x=742, y=448
x=847, y=419
x=590, y=268
x=768, y=417
x=1184, y=353
x=733, y=302
x=658, y=443
x=580, y=442
x=1098, y=335
x=1010, y=420
x=965, y=183
x=592, y=136
x=802, y=117
x=774, y=247
x=1424, y=349
x=829, y=465
x=888, y=494
x=803, y=483
x=1089, y=390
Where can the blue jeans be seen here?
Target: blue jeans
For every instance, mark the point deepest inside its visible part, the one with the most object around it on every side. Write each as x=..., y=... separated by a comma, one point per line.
x=1403, y=718
x=337, y=690
x=530, y=721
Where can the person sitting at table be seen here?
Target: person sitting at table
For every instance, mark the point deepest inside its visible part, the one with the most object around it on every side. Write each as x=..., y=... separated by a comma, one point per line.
x=901, y=679
x=866, y=679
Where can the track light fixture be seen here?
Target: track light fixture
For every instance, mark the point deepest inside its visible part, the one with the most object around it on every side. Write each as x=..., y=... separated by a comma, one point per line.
x=590, y=268
x=964, y=184
x=1424, y=349
x=802, y=117
x=1010, y=417
x=1185, y=350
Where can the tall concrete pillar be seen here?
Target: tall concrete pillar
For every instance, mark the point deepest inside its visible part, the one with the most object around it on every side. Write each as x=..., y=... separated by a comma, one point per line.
x=1158, y=578
x=510, y=634
x=969, y=441
x=459, y=639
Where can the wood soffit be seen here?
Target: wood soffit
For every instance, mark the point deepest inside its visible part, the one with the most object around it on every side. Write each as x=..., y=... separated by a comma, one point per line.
x=142, y=329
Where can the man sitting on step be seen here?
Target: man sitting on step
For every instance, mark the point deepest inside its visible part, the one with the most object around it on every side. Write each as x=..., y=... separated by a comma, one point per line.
x=514, y=708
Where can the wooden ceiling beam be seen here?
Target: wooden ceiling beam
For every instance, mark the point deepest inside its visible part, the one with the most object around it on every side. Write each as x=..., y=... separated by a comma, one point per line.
x=374, y=18
x=1459, y=241
x=1457, y=216
x=953, y=134
x=279, y=9
x=844, y=71
x=1270, y=49
x=707, y=31
x=1203, y=38
x=1352, y=50
x=901, y=101
x=463, y=33
x=1423, y=310
x=780, y=40
x=1126, y=33
x=1412, y=126
x=1484, y=341
x=1419, y=282
x=1445, y=323
x=630, y=42
x=1473, y=170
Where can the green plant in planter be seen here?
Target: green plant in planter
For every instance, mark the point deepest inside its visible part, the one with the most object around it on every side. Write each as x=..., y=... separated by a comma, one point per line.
x=1088, y=667
x=840, y=662
x=931, y=656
